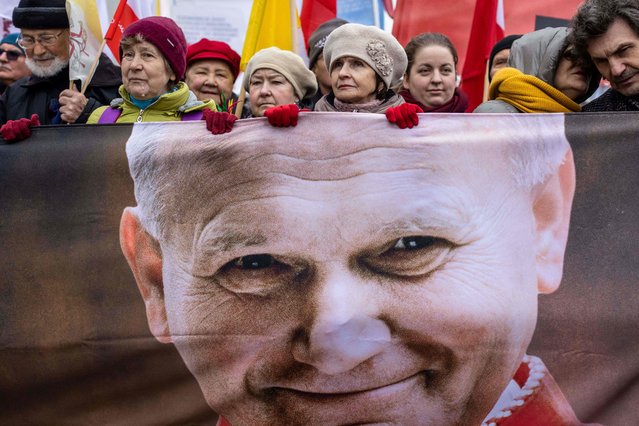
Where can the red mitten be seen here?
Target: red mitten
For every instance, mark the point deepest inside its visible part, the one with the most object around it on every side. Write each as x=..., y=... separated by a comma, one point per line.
x=18, y=130
x=404, y=115
x=282, y=115
x=219, y=122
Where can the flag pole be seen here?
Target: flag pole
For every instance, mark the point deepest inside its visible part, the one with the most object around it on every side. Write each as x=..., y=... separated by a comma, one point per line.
x=241, y=100
x=108, y=36
x=293, y=8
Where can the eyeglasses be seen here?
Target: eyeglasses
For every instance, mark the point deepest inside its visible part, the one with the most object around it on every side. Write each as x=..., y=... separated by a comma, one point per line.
x=44, y=40
x=12, y=55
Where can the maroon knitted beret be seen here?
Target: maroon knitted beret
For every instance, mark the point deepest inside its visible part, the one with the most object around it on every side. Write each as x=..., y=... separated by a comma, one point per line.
x=164, y=34
x=213, y=49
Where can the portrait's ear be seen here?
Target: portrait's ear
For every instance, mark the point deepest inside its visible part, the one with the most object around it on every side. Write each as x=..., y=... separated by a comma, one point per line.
x=145, y=260
x=551, y=208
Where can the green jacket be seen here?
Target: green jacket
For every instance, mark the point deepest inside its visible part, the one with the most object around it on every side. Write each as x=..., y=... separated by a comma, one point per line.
x=168, y=107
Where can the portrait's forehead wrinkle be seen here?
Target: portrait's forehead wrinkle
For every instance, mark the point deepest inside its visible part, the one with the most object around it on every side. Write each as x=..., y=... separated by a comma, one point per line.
x=168, y=162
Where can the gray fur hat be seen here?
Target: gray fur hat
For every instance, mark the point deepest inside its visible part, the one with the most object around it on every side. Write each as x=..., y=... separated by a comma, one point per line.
x=379, y=49
x=290, y=65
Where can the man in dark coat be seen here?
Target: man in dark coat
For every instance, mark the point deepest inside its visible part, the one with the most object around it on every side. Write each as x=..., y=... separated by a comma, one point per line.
x=607, y=32
x=45, y=37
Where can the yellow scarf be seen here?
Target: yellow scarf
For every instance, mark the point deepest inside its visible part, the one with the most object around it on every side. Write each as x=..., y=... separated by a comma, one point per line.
x=528, y=93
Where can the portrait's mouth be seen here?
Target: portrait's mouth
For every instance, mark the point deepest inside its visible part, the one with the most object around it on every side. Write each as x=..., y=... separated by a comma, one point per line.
x=357, y=404
x=422, y=378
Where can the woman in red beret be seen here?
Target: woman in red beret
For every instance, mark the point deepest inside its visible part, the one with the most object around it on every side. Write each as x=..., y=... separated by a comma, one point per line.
x=211, y=70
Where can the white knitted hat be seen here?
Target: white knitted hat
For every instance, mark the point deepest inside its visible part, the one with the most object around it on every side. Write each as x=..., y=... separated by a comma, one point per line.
x=290, y=65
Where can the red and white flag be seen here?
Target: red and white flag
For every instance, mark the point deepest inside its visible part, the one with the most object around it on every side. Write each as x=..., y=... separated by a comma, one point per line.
x=114, y=19
x=487, y=29
x=314, y=13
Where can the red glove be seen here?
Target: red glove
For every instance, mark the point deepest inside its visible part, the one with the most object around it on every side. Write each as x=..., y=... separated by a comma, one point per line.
x=219, y=122
x=404, y=115
x=18, y=130
x=282, y=115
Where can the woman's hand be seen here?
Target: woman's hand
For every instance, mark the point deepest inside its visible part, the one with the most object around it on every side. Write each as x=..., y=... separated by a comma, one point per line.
x=219, y=122
x=282, y=115
x=404, y=115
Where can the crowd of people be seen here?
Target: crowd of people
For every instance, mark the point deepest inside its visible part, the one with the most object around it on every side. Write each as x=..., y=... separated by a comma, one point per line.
x=352, y=68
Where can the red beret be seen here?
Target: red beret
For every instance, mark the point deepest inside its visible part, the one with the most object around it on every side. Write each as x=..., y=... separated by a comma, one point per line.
x=213, y=49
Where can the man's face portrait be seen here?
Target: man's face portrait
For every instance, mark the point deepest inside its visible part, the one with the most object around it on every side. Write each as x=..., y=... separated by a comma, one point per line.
x=364, y=276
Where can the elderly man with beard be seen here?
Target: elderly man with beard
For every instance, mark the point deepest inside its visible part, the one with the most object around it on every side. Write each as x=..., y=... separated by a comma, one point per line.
x=44, y=35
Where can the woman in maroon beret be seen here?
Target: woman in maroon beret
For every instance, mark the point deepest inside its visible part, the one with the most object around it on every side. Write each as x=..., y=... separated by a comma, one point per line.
x=153, y=61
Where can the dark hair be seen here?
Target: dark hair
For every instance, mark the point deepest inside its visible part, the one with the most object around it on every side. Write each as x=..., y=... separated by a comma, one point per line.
x=594, y=17
x=428, y=39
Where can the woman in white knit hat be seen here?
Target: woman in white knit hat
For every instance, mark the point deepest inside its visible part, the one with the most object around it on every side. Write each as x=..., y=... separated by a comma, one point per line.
x=364, y=63
x=278, y=82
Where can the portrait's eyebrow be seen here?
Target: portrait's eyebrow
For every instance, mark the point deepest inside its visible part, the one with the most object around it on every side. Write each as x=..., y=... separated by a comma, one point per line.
x=455, y=224
x=211, y=245
x=211, y=242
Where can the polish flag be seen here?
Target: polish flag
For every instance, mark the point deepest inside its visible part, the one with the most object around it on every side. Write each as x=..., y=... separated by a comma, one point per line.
x=314, y=13
x=487, y=29
x=116, y=16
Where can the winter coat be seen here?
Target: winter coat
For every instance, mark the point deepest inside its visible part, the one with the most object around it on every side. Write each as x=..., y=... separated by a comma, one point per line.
x=168, y=107
x=612, y=101
x=327, y=103
x=39, y=95
x=538, y=54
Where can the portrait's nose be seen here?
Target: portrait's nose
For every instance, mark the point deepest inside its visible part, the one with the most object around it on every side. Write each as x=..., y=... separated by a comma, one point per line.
x=345, y=329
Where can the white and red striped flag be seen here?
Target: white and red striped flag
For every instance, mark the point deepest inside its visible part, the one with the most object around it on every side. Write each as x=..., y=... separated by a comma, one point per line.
x=487, y=29
x=126, y=13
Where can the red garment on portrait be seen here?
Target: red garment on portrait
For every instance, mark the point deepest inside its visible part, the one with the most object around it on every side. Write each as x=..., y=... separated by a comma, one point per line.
x=458, y=103
x=540, y=401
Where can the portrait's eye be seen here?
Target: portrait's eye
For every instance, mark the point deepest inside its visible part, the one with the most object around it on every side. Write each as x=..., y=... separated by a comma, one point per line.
x=413, y=243
x=410, y=256
x=258, y=274
x=255, y=261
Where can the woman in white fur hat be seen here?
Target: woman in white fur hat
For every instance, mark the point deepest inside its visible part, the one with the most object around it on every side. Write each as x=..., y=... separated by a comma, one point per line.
x=364, y=63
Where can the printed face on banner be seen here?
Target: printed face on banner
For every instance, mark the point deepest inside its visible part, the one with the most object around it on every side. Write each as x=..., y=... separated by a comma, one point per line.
x=369, y=280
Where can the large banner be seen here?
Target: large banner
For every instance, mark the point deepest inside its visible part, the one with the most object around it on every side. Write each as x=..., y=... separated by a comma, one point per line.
x=343, y=271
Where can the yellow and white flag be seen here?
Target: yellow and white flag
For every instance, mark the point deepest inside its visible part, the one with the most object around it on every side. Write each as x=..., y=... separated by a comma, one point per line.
x=273, y=23
x=84, y=38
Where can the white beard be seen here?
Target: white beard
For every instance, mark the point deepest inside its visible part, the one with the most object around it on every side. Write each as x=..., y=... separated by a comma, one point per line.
x=55, y=67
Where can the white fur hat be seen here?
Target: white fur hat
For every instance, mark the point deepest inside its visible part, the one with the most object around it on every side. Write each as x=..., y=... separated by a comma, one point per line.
x=379, y=49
